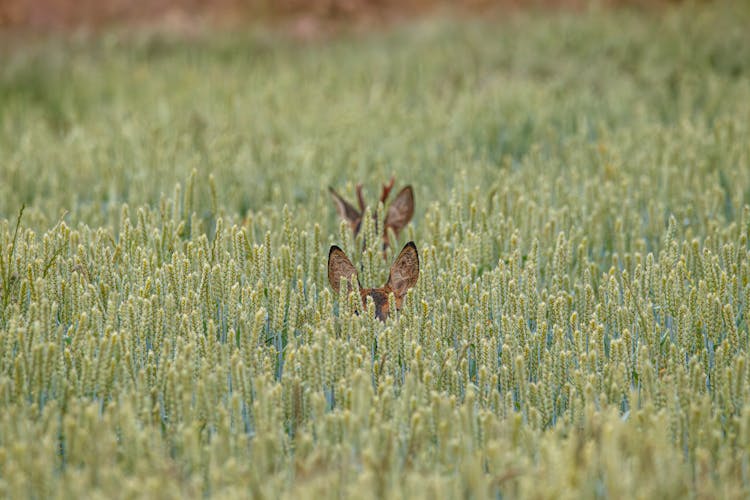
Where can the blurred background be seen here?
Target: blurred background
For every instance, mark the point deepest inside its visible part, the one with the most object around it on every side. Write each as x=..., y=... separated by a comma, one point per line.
x=106, y=102
x=304, y=17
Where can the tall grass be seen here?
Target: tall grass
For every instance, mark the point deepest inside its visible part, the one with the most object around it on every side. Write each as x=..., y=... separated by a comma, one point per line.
x=579, y=328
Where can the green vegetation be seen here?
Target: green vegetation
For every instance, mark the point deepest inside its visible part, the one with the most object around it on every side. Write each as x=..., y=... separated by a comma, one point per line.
x=579, y=328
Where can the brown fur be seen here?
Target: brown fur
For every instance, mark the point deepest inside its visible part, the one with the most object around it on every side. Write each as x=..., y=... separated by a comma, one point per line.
x=404, y=274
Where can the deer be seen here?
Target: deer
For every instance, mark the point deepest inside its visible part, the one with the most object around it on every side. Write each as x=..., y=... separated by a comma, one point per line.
x=403, y=276
x=398, y=214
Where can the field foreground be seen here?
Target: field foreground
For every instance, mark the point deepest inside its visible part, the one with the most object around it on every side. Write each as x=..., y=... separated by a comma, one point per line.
x=579, y=327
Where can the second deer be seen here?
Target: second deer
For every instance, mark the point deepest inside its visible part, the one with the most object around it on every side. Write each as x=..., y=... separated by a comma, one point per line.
x=398, y=214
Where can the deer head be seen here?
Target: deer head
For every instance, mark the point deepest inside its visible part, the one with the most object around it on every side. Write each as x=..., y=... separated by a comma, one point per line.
x=403, y=275
x=398, y=213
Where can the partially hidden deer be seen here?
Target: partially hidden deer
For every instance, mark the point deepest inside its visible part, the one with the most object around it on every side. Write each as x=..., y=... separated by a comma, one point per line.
x=398, y=213
x=403, y=276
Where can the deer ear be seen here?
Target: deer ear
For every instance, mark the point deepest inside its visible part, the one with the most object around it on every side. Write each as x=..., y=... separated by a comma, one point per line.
x=401, y=210
x=345, y=209
x=339, y=266
x=405, y=270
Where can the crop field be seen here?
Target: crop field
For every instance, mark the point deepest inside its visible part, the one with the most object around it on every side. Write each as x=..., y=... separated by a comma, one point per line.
x=579, y=327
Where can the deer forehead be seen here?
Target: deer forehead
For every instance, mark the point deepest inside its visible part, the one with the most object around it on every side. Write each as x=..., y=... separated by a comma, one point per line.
x=379, y=295
x=380, y=300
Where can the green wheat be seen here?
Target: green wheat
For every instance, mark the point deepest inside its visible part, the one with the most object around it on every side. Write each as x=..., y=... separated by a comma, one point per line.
x=579, y=328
